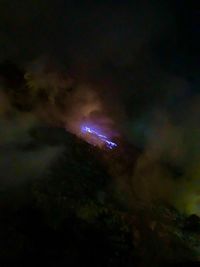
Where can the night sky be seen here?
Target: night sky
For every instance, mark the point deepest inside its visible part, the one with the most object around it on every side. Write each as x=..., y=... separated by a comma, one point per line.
x=127, y=69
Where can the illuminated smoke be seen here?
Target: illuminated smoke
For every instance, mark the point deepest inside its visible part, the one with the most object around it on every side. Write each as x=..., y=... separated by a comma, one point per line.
x=95, y=137
x=87, y=117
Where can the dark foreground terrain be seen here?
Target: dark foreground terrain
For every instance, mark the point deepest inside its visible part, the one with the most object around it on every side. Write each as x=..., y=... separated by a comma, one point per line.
x=74, y=217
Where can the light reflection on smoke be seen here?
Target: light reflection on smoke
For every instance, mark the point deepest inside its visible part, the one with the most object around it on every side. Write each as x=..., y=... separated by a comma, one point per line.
x=95, y=137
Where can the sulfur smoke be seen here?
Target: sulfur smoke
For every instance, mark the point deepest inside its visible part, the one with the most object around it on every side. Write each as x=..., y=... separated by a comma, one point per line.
x=115, y=66
x=167, y=168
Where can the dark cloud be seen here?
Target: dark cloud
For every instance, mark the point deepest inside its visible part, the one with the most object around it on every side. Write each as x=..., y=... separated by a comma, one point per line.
x=132, y=65
x=83, y=32
x=17, y=163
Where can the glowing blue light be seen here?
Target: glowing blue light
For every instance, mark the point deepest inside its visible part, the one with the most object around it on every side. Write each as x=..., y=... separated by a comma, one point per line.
x=109, y=144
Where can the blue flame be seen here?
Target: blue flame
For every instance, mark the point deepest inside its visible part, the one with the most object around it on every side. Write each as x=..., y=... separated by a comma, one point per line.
x=103, y=138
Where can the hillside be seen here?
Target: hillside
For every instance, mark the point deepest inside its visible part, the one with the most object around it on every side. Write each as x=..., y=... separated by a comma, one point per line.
x=74, y=217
